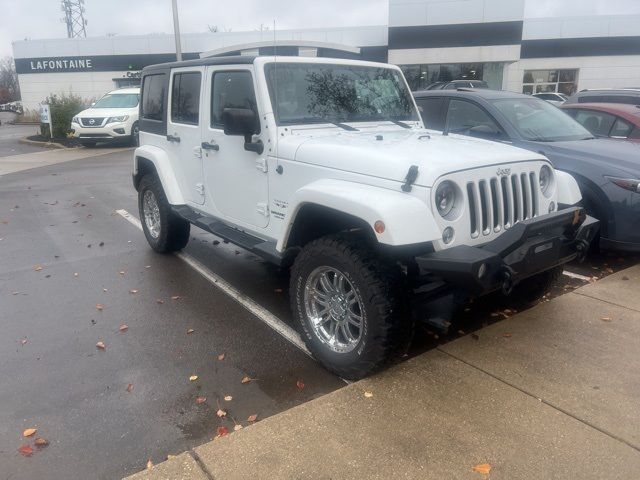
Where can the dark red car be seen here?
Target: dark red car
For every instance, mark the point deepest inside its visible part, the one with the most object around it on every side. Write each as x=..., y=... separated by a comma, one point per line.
x=614, y=120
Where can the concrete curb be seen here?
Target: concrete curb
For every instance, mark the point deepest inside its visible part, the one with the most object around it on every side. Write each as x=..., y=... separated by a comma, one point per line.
x=26, y=141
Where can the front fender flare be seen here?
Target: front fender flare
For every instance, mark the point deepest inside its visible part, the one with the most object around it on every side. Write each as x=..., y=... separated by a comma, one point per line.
x=407, y=218
x=163, y=168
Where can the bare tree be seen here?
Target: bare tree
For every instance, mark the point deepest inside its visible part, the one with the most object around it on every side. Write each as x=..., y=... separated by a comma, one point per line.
x=9, y=87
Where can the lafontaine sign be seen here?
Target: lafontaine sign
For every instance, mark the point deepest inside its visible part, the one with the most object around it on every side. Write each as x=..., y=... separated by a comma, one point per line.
x=60, y=65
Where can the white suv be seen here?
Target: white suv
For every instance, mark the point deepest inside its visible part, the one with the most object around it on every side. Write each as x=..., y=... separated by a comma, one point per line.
x=323, y=165
x=113, y=117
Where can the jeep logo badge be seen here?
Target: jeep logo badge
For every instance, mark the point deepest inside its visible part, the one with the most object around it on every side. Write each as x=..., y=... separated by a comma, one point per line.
x=503, y=171
x=92, y=121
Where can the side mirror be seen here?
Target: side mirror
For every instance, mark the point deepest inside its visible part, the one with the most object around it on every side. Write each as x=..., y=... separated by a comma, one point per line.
x=243, y=122
x=240, y=121
x=484, y=131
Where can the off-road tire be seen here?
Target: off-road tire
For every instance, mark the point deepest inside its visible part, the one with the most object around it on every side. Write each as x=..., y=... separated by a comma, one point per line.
x=174, y=230
x=386, y=322
x=533, y=288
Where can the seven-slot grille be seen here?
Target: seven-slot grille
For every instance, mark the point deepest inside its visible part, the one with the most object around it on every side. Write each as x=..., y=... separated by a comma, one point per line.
x=499, y=202
x=87, y=122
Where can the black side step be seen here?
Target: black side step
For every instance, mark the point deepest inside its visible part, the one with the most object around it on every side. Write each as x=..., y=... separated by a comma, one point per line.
x=258, y=246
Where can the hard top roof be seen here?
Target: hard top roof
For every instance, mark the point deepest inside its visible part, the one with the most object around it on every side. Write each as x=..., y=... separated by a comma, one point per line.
x=229, y=60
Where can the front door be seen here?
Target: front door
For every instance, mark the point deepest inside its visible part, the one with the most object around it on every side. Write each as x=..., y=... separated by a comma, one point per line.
x=183, y=131
x=235, y=179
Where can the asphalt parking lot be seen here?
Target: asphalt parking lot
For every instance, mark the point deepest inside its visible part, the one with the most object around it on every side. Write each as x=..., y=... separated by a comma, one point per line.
x=75, y=271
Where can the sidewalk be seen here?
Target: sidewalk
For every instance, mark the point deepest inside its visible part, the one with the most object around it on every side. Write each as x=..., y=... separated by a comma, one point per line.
x=549, y=393
x=27, y=161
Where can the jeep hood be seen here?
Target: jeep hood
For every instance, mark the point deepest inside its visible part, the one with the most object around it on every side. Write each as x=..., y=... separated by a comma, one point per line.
x=389, y=154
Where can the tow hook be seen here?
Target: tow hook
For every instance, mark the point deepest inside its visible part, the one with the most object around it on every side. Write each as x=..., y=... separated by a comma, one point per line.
x=507, y=280
x=582, y=247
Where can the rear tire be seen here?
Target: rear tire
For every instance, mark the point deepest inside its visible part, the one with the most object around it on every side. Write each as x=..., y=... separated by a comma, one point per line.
x=165, y=231
x=349, y=305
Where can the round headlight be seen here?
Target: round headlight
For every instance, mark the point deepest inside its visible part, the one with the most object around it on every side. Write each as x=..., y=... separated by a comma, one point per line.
x=545, y=178
x=445, y=198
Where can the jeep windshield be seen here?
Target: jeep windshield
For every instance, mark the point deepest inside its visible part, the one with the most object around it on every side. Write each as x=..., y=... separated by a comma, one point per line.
x=303, y=93
x=539, y=121
x=117, y=100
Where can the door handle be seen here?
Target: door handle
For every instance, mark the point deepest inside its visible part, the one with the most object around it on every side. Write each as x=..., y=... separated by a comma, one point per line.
x=173, y=138
x=210, y=146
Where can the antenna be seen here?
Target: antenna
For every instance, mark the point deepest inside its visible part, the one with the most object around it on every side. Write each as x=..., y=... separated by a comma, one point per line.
x=74, y=18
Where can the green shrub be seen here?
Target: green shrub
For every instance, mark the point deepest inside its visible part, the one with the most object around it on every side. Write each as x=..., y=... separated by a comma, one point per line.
x=63, y=108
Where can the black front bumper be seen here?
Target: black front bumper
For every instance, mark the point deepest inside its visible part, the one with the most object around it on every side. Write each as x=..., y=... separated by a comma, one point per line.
x=526, y=249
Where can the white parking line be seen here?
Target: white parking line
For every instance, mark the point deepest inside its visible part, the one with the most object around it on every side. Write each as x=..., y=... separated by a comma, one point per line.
x=258, y=310
x=584, y=278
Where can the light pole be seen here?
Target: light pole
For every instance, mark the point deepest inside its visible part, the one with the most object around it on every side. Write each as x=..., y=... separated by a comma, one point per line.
x=176, y=30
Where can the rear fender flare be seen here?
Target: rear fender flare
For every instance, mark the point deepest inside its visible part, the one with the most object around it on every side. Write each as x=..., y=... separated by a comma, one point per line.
x=160, y=160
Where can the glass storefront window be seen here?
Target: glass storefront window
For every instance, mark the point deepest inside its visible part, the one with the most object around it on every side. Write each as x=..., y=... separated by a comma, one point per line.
x=541, y=81
x=420, y=77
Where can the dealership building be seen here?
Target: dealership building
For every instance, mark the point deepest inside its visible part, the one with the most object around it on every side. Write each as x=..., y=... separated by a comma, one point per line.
x=431, y=40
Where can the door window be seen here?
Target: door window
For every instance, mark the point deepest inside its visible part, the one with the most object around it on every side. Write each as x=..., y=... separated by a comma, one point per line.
x=153, y=97
x=185, y=98
x=598, y=123
x=432, y=112
x=469, y=119
x=231, y=90
x=621, y=129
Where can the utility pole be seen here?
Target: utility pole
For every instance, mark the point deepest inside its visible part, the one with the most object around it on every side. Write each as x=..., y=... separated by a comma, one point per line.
x=176, y=30
x=74, y=18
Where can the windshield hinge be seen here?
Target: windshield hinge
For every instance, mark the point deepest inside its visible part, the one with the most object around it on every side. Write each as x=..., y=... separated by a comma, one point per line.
x=263, y=209
x=411, y=177
x=261, y=164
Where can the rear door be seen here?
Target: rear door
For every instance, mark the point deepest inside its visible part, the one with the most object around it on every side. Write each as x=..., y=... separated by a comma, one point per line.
x=183, y=131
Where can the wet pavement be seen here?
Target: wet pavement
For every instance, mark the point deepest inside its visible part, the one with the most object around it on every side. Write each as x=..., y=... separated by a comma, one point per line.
x=10, y=136
x=73, y=271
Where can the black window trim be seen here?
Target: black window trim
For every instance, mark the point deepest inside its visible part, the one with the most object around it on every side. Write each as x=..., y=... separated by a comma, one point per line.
x=170, y=118
x=231, y=70
x=152, y=125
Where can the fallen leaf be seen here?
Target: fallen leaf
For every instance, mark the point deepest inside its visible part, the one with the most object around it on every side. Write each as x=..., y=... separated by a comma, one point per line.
x=123, y=328
x=475, y=336
x=29, y=432
x=23, y=341
x=300, y=384
x=41, y=442
x=130, y=388
x=483, y=468
x=101, y=346
x=160, y=301
x=105, y=290
x=246, y=379
x=26, y=450
x=222, y=431
x=252, y=418
x=122, y=272
x=37, y=268
x=99, y=306
x=606, y=319
x=200, y=400
x=191, y=330
x=507, y=335
x=176, y=297
x=228, y=398
x=278, y=290
x=149, y=464
x=147, y=266
x=221, y=356
x=221, y=413
x=193, y=378
x=169, y=456
x=368, y=394
x=237, y=427
x=76, y=274
x=133, y=291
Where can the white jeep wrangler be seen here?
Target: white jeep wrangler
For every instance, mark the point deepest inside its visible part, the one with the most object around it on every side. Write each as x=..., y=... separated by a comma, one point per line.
x=324, y=165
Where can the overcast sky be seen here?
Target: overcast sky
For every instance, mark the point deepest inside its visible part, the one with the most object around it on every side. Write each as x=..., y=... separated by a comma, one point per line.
x=40, y=18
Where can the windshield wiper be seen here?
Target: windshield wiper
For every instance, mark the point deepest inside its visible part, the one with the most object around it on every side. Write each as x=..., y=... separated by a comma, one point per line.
x=348, y=128
x=399, y=123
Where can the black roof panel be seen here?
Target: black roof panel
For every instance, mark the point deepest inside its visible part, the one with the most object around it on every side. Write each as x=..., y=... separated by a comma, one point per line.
x=230, y=60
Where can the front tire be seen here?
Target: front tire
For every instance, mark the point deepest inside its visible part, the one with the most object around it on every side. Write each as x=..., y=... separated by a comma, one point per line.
x=165, y=231
x=348, y=303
